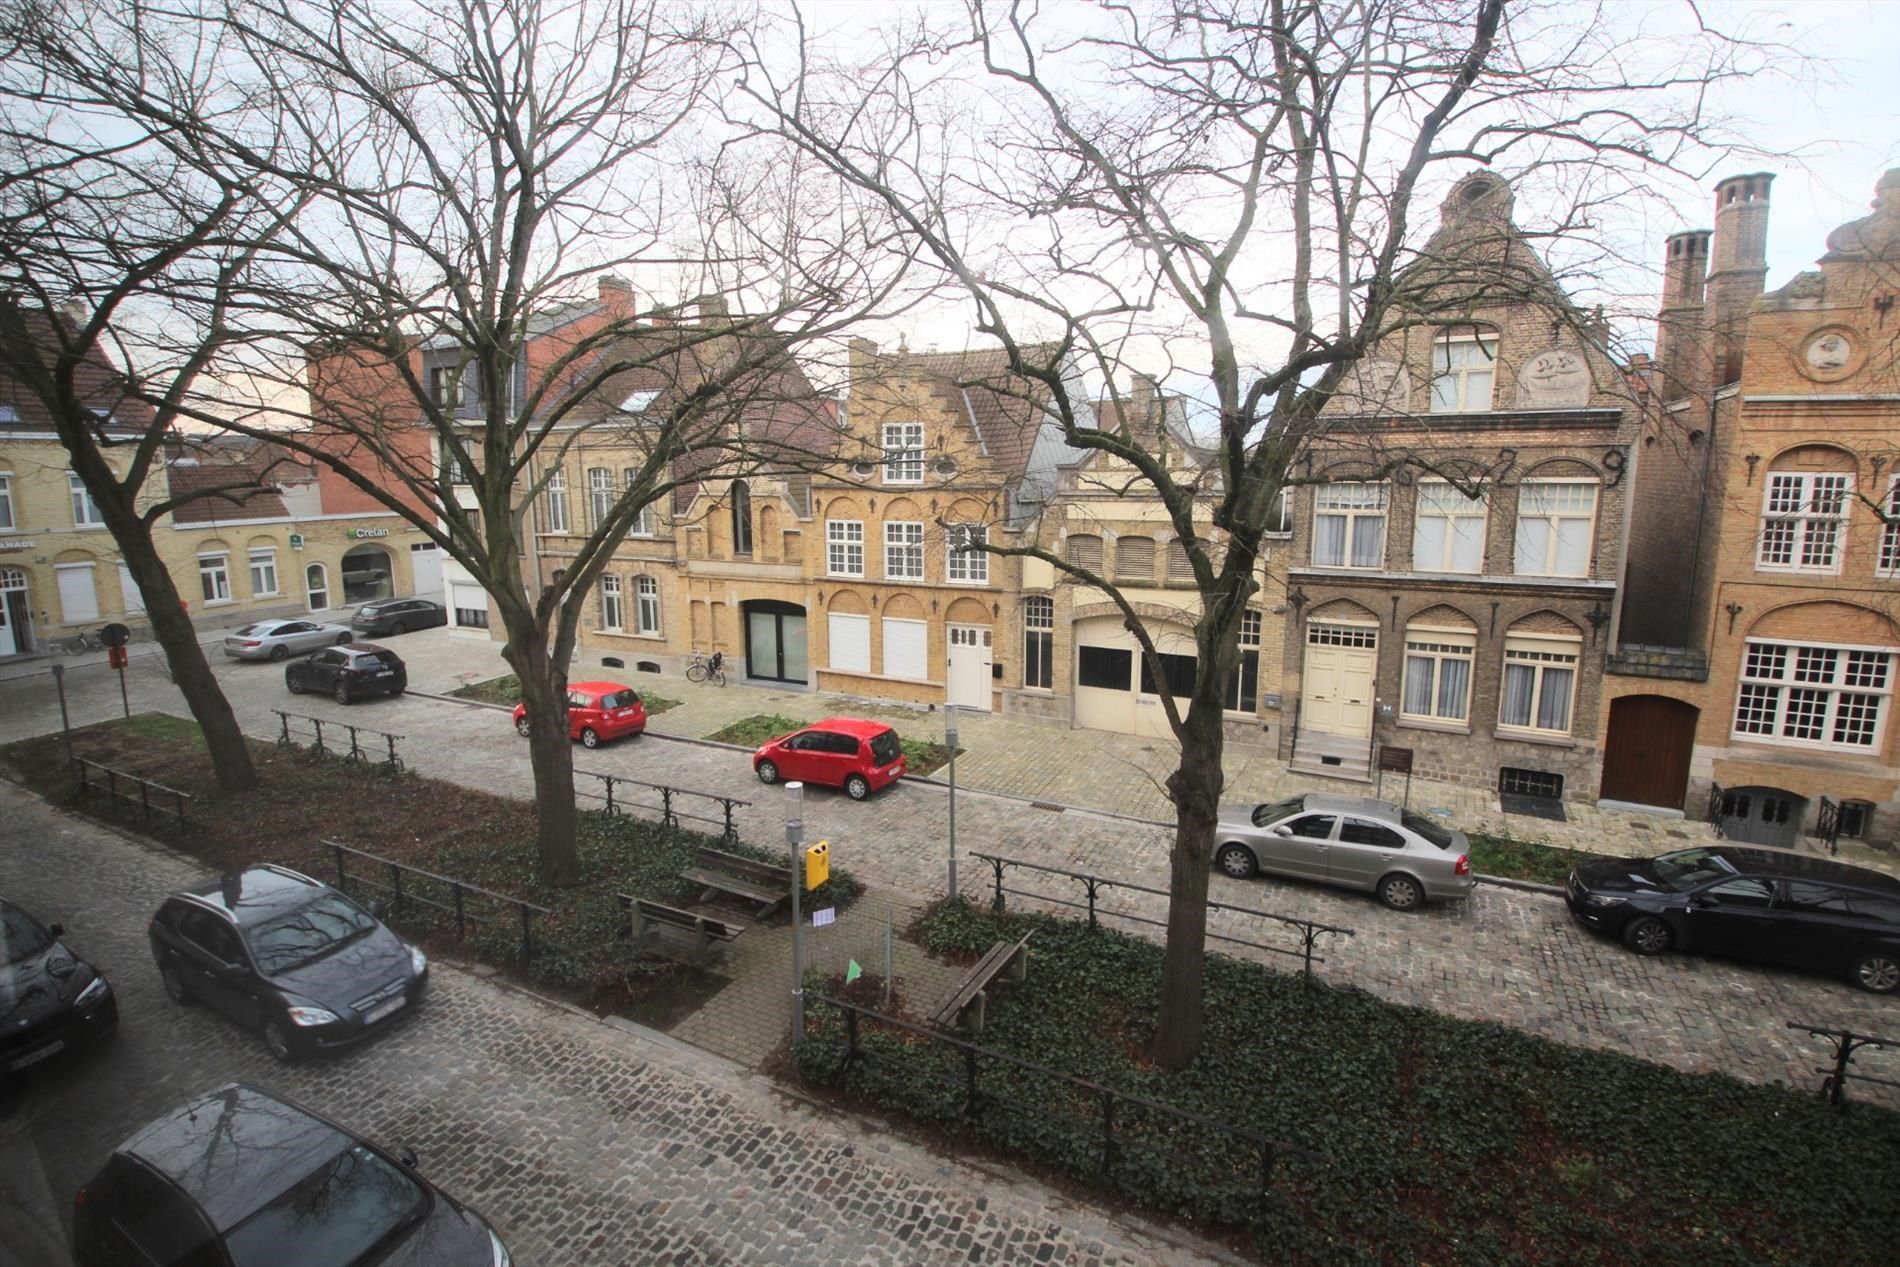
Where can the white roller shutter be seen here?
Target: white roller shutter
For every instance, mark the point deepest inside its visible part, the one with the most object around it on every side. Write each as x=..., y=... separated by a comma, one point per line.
x=78, y=596
x=129, y=591
x=906, y=643
x=850, y=643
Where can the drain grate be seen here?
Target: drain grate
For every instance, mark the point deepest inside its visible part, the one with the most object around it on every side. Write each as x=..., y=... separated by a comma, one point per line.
x=1045, y=805
x=1332, y=761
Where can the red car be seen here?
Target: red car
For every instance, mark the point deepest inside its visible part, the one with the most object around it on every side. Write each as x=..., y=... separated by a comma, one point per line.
x=596, y=711
x=849, y=752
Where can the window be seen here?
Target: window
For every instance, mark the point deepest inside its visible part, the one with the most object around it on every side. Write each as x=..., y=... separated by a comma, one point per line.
x=1854, y=819
x=741, y=518
x=1135, y=559
x=1437, y=675
x=1815, y=696
x=452, y=471
x=646, y=599
x=1555, y=523
x=844, y=547
x=1811, y=897
x=1356, y=831
x=263, y=571
x=1461, y=374
x=1801, y=522
x=555, y=500
x=600, y=496
x=1889, y=564
x=1107, y=668
x=611, y=616
x=1540, y=677
x=1448, y=530
x=1280, y=518
x=7, y=522
x=903, y=453
x=967, y=565
x=903, y=551
x=1243, y=684
x=214, y=574
x=471, y=617
x=1180, y=571
x=1349, y=525
x=1177, y=669
x=850, y=642
x=445, y=386
x=642, y=522
x=85, y=509
x=1085, y=552
x=1039, y=642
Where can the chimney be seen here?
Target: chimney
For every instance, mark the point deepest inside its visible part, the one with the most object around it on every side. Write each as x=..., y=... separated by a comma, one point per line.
x=712, y=309
x=1738, y=267
x=1682, y=345
x=616, y=292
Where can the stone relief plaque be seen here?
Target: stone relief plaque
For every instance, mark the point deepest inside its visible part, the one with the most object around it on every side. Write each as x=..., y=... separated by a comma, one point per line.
x=1556, y=378
x=1375, y=386
x=1827, y=354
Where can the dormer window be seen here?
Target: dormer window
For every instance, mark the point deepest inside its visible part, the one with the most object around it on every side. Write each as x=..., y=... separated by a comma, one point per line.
x=637, y=402
x=445, y=386
x=1462, y=370
x=903, y=453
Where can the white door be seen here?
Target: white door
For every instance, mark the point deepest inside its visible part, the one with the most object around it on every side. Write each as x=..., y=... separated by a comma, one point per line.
x=13, y=612
x=78, y=596
x=906, y=648
x=425, y=565
x=316, y=582
x=1337, y=679
x=969, y=685
x=129, y=592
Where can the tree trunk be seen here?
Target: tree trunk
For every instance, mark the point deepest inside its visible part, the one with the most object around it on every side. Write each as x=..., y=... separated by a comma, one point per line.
x=1196, y=787
x=544, y=691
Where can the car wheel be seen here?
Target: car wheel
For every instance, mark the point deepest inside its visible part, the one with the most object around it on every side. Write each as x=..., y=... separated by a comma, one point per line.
x=342, y=693
x=279, y=654
x=1235, y=860
x=521, y=726
x=1647, y=935
x=345, y=639
x=277, y=1042
x=1401, y=892
x=399, y=628
x=294, y=682
x=174, y=986
x=1878, y=973
x=590, y=738
x=857, y=787
x=768, y=772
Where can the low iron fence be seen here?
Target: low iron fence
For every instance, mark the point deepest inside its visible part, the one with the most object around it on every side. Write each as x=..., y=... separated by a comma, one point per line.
x=675, y=806
x=1310, y=931
x=124, y=788
x=1847, y=1047
x=404, y=884
x=366, y=746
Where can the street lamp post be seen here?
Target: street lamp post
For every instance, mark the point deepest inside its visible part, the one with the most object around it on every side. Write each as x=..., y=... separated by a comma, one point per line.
x=950, y=741
x=795, y=837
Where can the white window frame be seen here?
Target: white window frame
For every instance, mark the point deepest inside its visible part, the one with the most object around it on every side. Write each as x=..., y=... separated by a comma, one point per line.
x=1792, y=686
x=1445, y=501
x=903, y=453
x=1424, y=643
x=1280, y=520
x=8, y=523
x=1803, y=516
x=903, y=550
x=554, y=498
x=1039, y=629
x=1521, y=564
x=85, y=509
x=1544, y=656
x=963, y=566
x=646, y=605
x=844, y=547
x=214, y=577
x=1233, y=699
x=600, y=496
x=264, y=557
x=1887, y=562
x=642, y=522
x=1364, y=503
x=612, y=616
x=1462, y=373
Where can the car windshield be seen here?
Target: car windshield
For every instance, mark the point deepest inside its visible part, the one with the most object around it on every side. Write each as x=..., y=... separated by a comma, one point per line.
x=337, y=1216
x=308, y=933
x=1425, y=827
x=885, y=747
x=1685, y=869
x=1274, y=811
x=618, y=699
x=21, y=936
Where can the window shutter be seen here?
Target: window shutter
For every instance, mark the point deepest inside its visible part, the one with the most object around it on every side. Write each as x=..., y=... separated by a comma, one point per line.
x=850, y=643
x=905, y=646
x=1086, y=552
x=1180, y=571
x=1135, y=558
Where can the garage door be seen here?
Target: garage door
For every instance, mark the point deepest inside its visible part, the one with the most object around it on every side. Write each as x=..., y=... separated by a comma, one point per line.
x=425, y=565
x=850, y=643
x=906, y=646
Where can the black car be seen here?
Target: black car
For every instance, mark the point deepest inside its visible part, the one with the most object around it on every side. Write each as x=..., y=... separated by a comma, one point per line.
x=281, y=953
x=396, y=616
x=242, y=1178
x=349, y=673
x=50, y=999
x=1775, y=907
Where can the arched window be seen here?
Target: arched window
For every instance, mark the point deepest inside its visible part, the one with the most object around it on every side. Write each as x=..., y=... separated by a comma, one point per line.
x=741, y=518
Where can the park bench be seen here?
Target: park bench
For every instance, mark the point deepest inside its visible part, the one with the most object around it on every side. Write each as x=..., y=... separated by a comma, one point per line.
x=702, y=936
x=965, y=1006
x=763, y=883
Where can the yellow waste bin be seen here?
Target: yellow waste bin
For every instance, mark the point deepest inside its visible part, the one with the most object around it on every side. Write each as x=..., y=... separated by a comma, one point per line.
x=817, y=864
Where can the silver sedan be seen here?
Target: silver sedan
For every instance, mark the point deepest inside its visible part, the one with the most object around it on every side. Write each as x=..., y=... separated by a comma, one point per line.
x=281, y=639
x=1351, y=841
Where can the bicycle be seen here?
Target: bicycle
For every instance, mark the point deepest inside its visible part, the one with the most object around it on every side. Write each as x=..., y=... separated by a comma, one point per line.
x=711, y=670
x=80, y=643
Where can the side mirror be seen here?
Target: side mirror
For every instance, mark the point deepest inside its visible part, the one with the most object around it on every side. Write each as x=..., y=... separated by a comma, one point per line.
x=56, y=929
x=1282, y=830
x=407, y=1156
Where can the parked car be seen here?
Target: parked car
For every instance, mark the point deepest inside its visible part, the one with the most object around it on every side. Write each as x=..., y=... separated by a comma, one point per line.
x=849, y=752
x=1768, y=905
x=596, y=712
x=51, y=1000
x=349, y=673
x=242, y=1177
x=291, y=957
x=393, y=617
x=1351, y=841
x=281, y=639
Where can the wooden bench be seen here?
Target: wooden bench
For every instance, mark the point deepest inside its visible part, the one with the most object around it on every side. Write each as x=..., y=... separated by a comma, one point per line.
x=762, y=883
x=971, y=996
x=702, y=935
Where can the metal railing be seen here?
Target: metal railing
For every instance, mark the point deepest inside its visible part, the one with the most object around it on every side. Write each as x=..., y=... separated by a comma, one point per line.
x=97, y=778
x=615, y=800
x=458, y=891
x=1847, y=1045
x=287, y=737
x=1310, y=930
x=1267, y=1150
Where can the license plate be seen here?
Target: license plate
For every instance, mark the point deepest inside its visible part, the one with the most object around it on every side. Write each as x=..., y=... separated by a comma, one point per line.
x=34, y=1057
x=385, y=673
x=382, y=1010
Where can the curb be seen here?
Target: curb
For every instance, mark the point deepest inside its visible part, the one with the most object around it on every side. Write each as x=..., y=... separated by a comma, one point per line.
x=1526, y=886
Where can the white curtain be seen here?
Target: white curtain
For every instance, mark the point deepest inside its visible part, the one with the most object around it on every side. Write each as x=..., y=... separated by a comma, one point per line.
x=1553, y=710
x=1454, y=676
x=1428, y=542
x=1418, y=685
x=1368, y=541
x=1329, y=541
x=1520, y=680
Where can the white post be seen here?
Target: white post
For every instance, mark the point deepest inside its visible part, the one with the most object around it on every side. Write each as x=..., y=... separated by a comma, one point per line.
x=795, y=837
x=950, y=739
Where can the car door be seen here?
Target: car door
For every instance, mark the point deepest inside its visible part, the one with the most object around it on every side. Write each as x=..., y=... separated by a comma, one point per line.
x=1298, y=846
x=581, y=713
x=321, y=670
x=1364, y=852
x=1815, y=927
x=1735, y=917
x=797, y=758
x=299, y=635
x=218, y=963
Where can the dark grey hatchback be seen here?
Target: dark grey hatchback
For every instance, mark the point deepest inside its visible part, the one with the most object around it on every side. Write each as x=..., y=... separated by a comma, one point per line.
x=242, y=1178
x=1763, y=904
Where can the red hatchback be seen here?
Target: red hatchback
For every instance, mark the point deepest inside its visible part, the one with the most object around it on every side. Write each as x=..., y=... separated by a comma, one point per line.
x=596, y=711
x=848, y=752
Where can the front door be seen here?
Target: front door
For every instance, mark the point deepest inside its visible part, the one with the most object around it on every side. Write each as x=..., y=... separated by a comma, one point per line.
x=1646, y=757
x=425, y=568
x=16, y=633
x=1762, y=816
x=969, y=682
x=316, y=583
x=775, y=641
x=1337, y=679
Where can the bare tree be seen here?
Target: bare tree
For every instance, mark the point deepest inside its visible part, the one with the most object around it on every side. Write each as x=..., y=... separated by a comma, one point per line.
x=1225, y=188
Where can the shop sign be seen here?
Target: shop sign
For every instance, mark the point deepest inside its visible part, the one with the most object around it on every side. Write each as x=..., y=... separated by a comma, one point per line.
x=363, y=533
x=9, y=544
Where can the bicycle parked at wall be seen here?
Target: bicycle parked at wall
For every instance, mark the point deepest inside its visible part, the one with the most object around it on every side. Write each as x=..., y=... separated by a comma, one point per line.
x=80, y=642
x=705, y=668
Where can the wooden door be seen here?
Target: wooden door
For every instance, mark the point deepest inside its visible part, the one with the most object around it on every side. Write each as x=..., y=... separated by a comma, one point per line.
x=1646, y=758
x=1337, y=681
